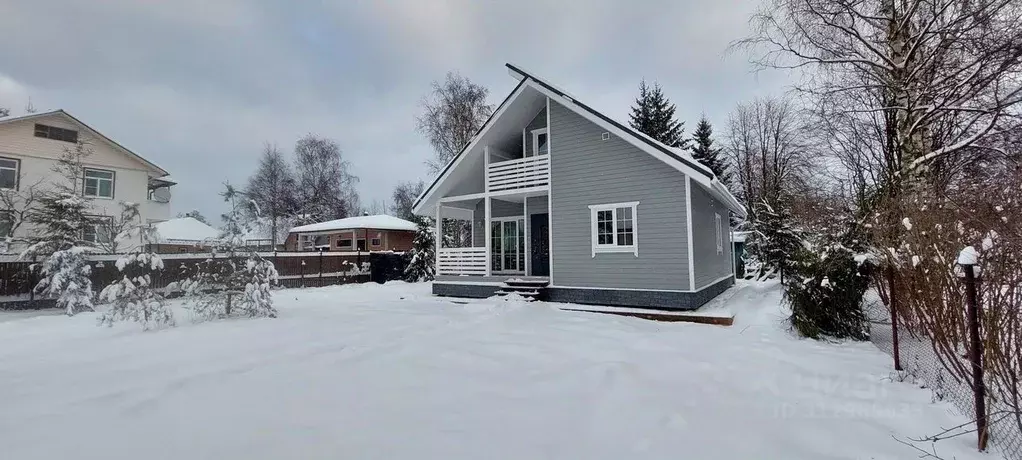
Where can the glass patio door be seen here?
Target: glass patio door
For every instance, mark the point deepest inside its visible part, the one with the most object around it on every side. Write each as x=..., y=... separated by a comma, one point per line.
x=507, y=245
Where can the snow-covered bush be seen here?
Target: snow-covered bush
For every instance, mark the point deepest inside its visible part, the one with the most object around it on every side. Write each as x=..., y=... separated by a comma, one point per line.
x=422, y=262
x=65, y=275
x=133, y=298
x=257, y=300
x=824, y=289
x=220, y=288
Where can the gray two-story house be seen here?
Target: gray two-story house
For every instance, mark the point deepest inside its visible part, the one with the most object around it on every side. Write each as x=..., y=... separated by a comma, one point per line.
x=578, y=207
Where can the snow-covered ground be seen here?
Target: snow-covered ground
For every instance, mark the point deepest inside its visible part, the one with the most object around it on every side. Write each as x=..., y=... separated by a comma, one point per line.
x=369, y=371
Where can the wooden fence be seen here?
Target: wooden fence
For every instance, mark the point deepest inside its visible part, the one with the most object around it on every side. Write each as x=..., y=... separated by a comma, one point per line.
x=295, y=269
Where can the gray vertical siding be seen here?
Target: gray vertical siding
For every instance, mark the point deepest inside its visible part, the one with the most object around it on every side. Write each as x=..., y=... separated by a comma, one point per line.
x=586, y=170
x=536, y=123
x=710, y=266
x=499, y=209
x=537, y=204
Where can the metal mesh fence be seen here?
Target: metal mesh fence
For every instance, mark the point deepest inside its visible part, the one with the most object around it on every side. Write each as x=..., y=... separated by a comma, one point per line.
x=920, y=362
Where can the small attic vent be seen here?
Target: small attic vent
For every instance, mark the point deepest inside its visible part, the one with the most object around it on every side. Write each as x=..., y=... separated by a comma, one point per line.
x=606, y=136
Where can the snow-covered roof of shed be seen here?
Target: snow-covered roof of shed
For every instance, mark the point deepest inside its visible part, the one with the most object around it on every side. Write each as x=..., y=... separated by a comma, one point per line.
x=378, y=222
x=184, y=229
x=740, y=237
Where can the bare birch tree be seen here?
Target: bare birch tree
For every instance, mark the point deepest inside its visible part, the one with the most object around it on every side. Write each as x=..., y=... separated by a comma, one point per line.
x=764, y=140
x=326, y=186
x=272, y=189
x=451, y=114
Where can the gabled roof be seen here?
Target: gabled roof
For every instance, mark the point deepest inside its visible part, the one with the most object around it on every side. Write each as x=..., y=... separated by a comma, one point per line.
x=377, y=222
x=676, y=158
x=68, y=116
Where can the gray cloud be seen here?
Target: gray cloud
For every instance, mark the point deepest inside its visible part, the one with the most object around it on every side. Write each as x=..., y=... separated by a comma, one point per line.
x=198, y=86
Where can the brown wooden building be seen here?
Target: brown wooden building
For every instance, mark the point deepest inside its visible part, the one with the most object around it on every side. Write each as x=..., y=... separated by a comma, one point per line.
x=353, y=234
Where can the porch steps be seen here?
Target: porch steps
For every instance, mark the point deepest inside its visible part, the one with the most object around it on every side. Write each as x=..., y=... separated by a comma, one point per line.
x=530, y=289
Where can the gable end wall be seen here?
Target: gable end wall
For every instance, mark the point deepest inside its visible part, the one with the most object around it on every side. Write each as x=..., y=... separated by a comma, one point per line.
x=586, y=170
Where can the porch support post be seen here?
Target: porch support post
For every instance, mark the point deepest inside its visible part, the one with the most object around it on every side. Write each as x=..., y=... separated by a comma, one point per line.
x=486, y=230
x=439, y=238
x=528, y=236
x=488, y=239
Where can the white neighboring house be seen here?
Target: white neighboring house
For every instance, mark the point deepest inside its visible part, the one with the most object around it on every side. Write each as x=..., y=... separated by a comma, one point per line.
x=30, y=147
x=184, y=234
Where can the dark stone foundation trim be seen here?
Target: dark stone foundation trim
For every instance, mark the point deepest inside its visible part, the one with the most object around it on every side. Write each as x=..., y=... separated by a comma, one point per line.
x=658, y=300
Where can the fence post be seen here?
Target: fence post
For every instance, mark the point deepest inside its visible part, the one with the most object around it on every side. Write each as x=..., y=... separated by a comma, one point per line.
x=892, y=292
x=321, y=266
x=303, y=272
x=976, y=354
x=31, y=280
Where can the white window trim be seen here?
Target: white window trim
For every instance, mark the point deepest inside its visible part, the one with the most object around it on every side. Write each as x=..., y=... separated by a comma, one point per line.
x=113, y=183
x=17, y=173
x=613, y=247
x=535, y=141
x=720, y=235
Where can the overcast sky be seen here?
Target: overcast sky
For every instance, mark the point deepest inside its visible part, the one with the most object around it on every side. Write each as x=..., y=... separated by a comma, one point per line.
x=197, y=86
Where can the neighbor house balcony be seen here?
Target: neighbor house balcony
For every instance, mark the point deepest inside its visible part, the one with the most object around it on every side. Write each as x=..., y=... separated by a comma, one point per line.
x=520, y=173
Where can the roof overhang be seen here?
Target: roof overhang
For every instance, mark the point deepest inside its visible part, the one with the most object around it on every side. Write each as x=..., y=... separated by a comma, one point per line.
x=61, y=113
x=675, y=158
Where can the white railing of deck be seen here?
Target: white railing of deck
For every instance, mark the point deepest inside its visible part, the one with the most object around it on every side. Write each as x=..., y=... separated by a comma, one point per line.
x=461, y=261
x=519, y=173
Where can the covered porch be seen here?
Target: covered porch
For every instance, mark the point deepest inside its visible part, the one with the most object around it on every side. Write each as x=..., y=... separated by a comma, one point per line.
x=493, y=238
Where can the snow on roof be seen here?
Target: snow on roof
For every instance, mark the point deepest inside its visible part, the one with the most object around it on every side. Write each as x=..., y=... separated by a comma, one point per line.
x=740, y=237
x=184, y=229
x=378, y=222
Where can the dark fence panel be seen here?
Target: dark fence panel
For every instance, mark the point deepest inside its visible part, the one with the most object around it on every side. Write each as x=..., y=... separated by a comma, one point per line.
x=305, y=269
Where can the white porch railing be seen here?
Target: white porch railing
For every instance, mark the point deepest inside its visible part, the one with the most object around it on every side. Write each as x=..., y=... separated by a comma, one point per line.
x=519, y=173
x=461, y=261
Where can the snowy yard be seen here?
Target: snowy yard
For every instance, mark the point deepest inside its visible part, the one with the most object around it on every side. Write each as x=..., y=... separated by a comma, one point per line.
x=369, y=371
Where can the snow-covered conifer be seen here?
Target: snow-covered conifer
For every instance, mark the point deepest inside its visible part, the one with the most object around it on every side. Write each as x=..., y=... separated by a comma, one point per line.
x=222, y=287
x=422, y=265
x=61, y=219
x=133, y=297
x=259, y=275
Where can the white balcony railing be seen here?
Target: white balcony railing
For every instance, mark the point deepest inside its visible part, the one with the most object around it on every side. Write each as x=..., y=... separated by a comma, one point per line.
x=461, y=261
x=519, y=173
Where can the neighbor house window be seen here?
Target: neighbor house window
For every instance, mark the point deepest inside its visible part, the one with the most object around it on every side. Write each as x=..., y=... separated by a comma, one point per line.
x=6, y=224
x=9, y=168
x=99, y=183
x=344, y=243
x=540, y=141
x=614, y=227
x=97, y=230
x=55, y=133
x=720, y=235
x=375, y=242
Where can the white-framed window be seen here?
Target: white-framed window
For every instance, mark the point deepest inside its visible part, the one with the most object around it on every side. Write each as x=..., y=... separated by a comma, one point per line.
x=376, y=242
x=9, y=168
x=615, y=227
x=97, y=230
x=540, y=141
x=720, y=235
x=99, y=183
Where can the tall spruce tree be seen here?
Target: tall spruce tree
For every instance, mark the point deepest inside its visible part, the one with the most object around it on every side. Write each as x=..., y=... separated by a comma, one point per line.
x=422, y=266
x=706, y=153
x=653, y=115
x=61, y=220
